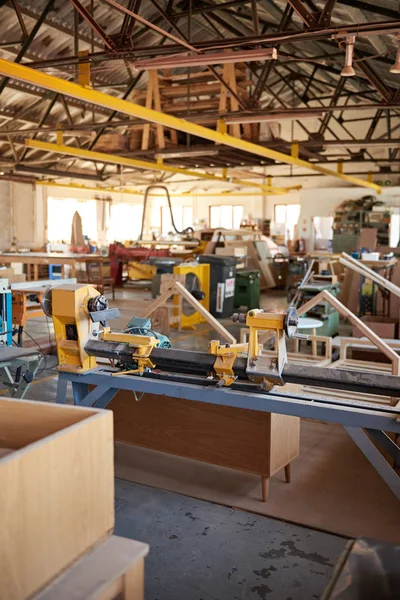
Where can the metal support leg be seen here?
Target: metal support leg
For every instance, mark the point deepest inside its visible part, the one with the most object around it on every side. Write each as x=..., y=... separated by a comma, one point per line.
x=80, y=391
x=99, y=397
x=377, y=460
x=105, y=398
x=386, y=443
x=24, y=383
x=19, y=342
x=62, y=386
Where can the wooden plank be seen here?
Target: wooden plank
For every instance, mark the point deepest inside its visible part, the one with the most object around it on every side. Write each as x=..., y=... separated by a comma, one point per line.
x=146, y=128
x=158, y=302
x=178, y=288
x=339, y=395
x=231, y=79
x=223, y=96
x=157, y=105
x=348, y=342
x=220, y=329
x=57, y=497
x=267, y=273
x=359, y=267
x=111, y=568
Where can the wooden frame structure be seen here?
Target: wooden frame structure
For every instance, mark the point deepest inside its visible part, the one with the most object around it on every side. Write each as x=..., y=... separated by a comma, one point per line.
x=297, y=357
x=373, y=338
x=360, y=325
x=176, y=287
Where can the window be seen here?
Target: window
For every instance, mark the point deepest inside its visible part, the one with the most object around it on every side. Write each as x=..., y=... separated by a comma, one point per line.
x=126, y=222
x=226, y=216
x=60, y=212
x=287, y=214
x=183, y=217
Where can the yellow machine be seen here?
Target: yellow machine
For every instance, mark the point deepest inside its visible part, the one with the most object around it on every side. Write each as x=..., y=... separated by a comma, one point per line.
x=68, y=305
x=78, y=311
x=140, y=271
x=80, y=316
x=197, y=282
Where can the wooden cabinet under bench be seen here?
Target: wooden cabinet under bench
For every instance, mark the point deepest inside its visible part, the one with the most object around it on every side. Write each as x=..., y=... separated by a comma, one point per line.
x=246, y=440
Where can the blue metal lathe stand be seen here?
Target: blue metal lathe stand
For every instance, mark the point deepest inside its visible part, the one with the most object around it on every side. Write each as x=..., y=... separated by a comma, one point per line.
x=358, y=419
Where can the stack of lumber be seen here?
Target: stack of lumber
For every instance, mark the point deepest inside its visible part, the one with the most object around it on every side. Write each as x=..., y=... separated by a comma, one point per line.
x=57, y=506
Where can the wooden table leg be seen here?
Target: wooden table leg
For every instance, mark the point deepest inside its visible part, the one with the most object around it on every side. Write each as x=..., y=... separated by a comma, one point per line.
x=265, y=487
x=287, y=473
x=35, y=272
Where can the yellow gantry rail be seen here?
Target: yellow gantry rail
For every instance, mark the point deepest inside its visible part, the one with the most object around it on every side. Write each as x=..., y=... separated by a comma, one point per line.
x=73, y=90
x=133, y=192
x=147, y=165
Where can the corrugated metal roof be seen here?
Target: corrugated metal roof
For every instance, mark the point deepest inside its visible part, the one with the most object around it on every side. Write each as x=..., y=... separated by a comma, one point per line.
x=27, y=104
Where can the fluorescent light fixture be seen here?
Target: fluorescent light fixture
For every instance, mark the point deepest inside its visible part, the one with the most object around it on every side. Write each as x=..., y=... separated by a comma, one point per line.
x=200, y=60
x=186, y=154
x=289, y=116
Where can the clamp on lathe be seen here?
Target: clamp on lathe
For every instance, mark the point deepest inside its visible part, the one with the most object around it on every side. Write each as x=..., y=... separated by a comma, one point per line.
x=226, y=355
x=266, y=370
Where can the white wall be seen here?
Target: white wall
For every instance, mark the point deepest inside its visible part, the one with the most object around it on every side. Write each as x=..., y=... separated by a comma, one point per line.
x=253, y=204
x=319, y=201
x=6, y=217
x=21, y=216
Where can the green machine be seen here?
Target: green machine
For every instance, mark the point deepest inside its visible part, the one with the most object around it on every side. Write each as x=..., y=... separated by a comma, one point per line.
x=323, y=311
x=247, y=289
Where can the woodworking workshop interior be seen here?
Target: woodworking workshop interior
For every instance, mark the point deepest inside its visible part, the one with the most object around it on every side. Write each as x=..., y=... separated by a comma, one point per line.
x=199, y=299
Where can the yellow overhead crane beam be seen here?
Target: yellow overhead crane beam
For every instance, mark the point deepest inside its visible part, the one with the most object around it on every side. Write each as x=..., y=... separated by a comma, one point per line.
x=147, y=165
x=133, y=192
x=73, y=90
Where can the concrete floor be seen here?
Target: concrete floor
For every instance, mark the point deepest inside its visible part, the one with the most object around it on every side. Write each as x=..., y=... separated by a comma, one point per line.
x=200, y=550
x=203, y=551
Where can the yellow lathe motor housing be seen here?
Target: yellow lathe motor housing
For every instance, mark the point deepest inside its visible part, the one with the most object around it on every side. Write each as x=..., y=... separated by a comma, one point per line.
x=68, y=306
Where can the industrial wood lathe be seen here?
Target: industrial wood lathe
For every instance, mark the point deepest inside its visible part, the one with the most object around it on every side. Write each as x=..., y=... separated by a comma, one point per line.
x=238, y=375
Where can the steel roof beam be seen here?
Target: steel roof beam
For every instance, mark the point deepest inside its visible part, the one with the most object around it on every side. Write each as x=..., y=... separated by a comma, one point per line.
x=307, y=17
x=129, y=22
x=152, y=116
x=20, y=19
x=145, y=165
x=267, y=67
x=85, y=14
x=28, y=41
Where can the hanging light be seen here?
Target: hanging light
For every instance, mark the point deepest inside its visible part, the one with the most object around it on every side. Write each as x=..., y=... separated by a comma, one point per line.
x=348, y=70
x=396, y=67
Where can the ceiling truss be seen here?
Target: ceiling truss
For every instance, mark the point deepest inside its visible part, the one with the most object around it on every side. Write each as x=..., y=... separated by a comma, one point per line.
x=360, y=121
